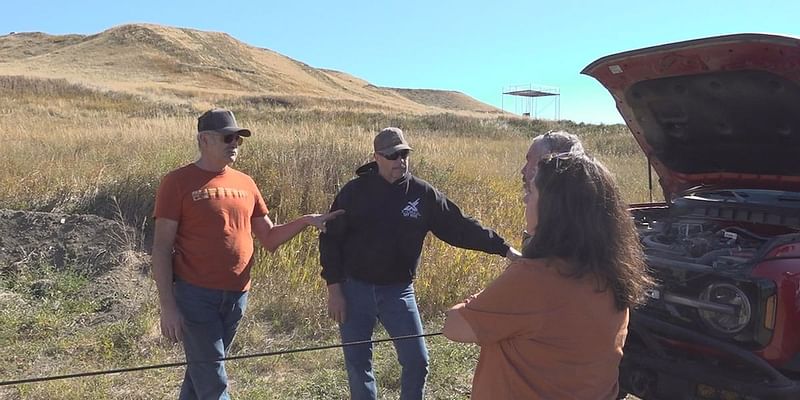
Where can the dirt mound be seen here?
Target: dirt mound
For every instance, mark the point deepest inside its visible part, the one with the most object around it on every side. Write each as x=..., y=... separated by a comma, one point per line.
x=100, y=248
x=85, y=242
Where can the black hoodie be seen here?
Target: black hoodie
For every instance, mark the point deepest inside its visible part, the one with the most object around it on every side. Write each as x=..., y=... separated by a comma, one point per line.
x=379, y=238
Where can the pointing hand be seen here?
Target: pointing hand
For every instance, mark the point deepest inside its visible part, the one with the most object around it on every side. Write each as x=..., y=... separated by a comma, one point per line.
x=319, y=220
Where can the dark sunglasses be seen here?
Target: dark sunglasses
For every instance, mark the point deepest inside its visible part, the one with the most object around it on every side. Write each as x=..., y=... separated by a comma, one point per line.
x=403, y=154
x=231, y=137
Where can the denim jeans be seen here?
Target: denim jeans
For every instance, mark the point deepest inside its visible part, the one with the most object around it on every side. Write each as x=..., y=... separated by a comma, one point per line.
x=210, y=318
x=395, y=306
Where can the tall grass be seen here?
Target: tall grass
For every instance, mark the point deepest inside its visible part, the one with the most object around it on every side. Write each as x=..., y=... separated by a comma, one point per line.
x=69, y=149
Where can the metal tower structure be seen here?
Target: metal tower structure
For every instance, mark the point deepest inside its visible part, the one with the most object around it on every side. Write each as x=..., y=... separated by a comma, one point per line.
x=533, y=101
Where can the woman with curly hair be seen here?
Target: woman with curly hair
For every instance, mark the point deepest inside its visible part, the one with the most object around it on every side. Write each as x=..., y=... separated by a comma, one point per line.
x=553, y=324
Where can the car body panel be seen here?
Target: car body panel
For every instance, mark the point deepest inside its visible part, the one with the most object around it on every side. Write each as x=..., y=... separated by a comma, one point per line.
x=719, y=121
x=718, y=111
x=785, y=343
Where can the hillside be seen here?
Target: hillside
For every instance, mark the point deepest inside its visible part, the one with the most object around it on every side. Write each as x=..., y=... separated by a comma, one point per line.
x=445, y=99
x=179, y=64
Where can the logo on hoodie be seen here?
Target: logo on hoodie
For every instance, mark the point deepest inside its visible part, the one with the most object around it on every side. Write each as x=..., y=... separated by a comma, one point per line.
x=411, y=211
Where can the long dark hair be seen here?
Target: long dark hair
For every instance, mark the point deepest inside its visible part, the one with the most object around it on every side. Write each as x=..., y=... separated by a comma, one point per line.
x=584, y=221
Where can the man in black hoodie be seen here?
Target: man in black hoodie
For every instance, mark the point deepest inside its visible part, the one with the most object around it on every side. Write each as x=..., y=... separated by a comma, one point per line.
x=370, y=256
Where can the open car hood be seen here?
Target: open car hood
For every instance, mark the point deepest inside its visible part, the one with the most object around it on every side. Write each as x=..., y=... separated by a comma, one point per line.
x=721, y=111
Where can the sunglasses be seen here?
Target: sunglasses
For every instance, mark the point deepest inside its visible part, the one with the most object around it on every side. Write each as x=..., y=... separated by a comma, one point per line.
x=403, y=154
x=231, y=137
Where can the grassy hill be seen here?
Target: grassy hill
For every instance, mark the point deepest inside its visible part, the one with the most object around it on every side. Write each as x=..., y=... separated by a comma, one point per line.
x=190, y=66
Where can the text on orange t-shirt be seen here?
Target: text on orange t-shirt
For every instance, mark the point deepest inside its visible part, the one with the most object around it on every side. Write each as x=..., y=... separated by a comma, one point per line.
x=214, y=243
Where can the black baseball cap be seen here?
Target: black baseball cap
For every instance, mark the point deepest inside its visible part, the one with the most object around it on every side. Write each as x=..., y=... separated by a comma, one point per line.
x=220, y=120
x=390, y=140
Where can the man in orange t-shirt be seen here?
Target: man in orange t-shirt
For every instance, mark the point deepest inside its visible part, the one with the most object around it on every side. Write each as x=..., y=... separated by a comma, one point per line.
x=206, y=215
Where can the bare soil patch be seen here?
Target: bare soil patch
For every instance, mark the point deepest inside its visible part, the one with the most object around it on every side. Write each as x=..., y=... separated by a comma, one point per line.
x=102, y=249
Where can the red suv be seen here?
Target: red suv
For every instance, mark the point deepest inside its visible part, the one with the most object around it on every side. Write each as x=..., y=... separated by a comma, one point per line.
x=719, y=121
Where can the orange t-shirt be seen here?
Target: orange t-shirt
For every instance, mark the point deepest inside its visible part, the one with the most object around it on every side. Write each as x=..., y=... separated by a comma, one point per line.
x=545, y=336
x=214, y=243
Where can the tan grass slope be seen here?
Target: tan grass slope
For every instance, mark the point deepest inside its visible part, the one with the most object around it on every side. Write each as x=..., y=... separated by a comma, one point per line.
x=179, y=64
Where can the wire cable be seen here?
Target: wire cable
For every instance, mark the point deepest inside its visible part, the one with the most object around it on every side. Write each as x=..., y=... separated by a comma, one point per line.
x=239, y=357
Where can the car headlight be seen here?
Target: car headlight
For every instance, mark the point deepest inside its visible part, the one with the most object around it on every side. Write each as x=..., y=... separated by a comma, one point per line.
x=726, y=323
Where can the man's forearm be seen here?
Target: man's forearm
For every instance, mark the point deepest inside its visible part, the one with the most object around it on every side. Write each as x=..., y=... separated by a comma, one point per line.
x=162, y=274
x=170, y=316
x=330, y=258
x=280, y=234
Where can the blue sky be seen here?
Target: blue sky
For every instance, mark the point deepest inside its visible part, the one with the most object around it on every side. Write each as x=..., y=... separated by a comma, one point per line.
x=475, y=47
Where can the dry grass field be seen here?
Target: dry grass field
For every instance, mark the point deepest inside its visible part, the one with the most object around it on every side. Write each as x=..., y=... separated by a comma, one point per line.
x=86, y=136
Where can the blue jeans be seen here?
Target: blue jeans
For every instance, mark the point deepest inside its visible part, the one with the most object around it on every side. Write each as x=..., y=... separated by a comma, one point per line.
x=210, y=319
x=396, y=308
